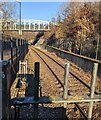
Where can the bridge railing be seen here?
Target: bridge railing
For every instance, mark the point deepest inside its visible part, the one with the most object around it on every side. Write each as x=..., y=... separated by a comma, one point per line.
x=11, y=24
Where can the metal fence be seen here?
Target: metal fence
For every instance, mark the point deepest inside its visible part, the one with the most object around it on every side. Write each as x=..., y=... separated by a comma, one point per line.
x=9, y=69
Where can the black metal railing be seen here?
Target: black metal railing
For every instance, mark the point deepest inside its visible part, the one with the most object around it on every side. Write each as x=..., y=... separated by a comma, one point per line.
x=17, y=48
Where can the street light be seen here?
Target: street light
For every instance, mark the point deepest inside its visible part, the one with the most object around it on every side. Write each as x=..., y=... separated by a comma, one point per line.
x=20, y=32
x=19, y=1
x=20, y=18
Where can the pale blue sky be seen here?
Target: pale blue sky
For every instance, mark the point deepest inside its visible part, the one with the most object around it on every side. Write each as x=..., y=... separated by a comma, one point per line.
x=40, y=10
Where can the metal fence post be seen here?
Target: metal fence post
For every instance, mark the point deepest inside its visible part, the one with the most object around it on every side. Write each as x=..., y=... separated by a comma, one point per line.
x=24, y=47
x=11, y=47
x=1, y=49
x=36, y=88
x=20, y=48
x=4, y=90
x=66, y=76
x=0, y=89
x=11, y=51
x=94, y=76
x=17, y=54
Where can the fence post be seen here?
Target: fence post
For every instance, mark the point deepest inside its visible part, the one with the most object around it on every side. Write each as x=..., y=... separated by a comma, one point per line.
x=36, y=88
x=24, y=47
x=94, y=76
x=4, y=90
x=17, y=54
x=1, y=49
x=66, y=76
x=11, y=51
x=11, y=47
x=20, y=48
x=1, y=105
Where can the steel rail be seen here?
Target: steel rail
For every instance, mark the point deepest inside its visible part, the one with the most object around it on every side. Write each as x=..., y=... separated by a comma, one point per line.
x=81, y=111
x=78, y=106
x=49, y=68
x=85, y=84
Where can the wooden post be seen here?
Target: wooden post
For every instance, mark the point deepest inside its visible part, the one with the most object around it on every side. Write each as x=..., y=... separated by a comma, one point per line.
x=36, y=88
x=94, y=76
x=66, y=76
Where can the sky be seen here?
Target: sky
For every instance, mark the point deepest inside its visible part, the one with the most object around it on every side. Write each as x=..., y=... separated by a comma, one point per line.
x=39, y=10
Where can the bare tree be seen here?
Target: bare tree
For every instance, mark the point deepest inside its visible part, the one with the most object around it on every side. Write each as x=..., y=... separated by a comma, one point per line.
x=8, y=13
x=80, y=27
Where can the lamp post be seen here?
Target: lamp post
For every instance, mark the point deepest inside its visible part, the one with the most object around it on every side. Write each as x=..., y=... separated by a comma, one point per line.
x=19, y=1
x=20, y=18
x=20, y=32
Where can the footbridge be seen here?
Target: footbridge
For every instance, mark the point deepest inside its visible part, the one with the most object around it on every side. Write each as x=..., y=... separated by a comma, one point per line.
x=26, y=25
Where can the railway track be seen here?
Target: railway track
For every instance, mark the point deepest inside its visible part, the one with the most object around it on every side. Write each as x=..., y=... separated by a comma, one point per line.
x=86, y=83
x=76, y=85
x=77, y=81
x=51, y=83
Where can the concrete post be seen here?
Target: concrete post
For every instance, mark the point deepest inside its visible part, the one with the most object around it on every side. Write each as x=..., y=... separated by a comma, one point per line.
x=94, y=76
x=66, y=76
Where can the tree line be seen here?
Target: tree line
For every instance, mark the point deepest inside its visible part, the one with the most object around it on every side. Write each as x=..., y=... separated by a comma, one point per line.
x=77, y=29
